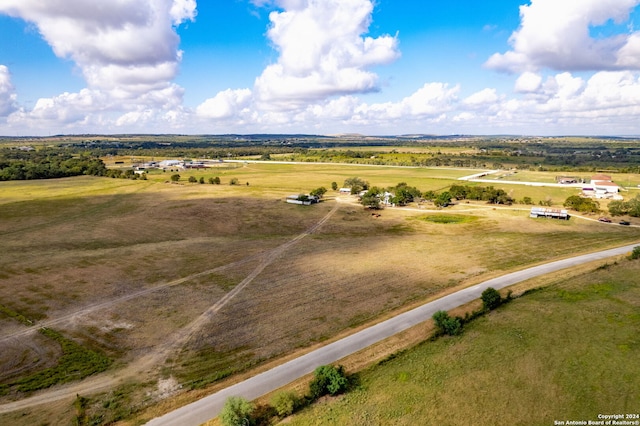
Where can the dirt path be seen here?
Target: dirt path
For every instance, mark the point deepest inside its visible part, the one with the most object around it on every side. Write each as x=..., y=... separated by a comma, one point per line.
x=158, y=355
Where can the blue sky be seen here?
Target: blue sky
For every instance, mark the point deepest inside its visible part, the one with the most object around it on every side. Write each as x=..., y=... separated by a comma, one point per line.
x=538, y=67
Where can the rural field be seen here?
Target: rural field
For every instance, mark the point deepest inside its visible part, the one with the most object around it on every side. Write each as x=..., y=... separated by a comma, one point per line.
x=136, y=274
x=565, y=352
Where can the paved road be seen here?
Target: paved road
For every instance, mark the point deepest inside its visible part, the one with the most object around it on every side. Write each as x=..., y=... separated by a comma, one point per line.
x=206, y=408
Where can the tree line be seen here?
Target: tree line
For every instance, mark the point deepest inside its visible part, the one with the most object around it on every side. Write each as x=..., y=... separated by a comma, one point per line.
x=402, y=194
x=33, y=165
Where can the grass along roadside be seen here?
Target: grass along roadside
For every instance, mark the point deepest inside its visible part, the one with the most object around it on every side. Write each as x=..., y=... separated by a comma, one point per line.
x=563, y=352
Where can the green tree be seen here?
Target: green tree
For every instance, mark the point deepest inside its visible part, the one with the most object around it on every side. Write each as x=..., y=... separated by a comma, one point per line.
x=201, y=179
x=233, y=181
x=328, y=379
x=459, y=192
x=211, y=180
x=618, y=208
x=175, y=178
x=635, y=254
x=284, y=403
x=192, y=179
x=633, y=206
x=356, y=184
x=443, y=199
x=265, y=157
x=319, y=192
x=404, y=194
x=446, y=324
x=581, y=204
x=371, y=198
x=491, y=299
x=527, y=200
x=236, y=411
x=429, y=195
x=334, y=186
x=216, y=180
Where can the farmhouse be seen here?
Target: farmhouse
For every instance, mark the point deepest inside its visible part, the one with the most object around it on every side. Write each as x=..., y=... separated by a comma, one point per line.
x=549, y=213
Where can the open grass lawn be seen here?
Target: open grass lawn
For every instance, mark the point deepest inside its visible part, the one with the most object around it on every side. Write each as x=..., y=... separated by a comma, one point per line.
x=70, y=244
x=567, y=352
x=278, y=179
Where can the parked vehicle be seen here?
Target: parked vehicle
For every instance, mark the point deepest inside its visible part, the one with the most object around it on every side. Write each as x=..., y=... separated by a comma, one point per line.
x=624, y=222
x=604, y=219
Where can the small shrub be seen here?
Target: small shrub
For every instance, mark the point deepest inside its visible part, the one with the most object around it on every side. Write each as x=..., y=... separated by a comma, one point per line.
x=192, y=179
x=635, y=254
x=491, y=299
x=236, y=411
x=451, y=326
x=328, y=380
x=284, y=403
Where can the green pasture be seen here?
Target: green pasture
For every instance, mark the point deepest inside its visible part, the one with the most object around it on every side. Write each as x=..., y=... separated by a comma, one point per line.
x=283, y=179
x=81, y=186
x=567, y=352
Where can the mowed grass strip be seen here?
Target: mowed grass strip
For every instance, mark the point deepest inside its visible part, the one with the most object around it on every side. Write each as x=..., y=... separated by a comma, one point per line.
x=566, y=352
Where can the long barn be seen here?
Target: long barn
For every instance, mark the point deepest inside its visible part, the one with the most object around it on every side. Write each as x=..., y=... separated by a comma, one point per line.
x=549, y=213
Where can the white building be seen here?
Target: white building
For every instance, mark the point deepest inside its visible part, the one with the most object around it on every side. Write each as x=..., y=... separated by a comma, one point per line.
x=601, y=186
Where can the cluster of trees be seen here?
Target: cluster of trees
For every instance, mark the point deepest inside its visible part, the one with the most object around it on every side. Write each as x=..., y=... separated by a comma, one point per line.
x=489, y=194
x=31, y=165
x=582, y=204
x=356, y=184
x=327, y=380
x=212, y=180
x=402, y=194
x=452, y=326
x=125, y=174
x=630, y=208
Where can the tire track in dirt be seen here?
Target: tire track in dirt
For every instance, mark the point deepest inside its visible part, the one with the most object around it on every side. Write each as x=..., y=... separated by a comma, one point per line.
x=112, y=302
x=182, y=337
x=104, y=381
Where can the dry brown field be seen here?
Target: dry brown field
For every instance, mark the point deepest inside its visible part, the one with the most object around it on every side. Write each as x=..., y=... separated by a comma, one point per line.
x=125, y=267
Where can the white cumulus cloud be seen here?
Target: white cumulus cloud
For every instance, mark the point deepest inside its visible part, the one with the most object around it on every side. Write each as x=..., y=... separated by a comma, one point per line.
x=322, y=52
x=225, y=104
x=556, y=34
x=481, y=98
x=8, y=97
x=127, y=51
x=528, y=82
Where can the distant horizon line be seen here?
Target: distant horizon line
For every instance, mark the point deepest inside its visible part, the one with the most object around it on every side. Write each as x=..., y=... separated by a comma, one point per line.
x=332, y=135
